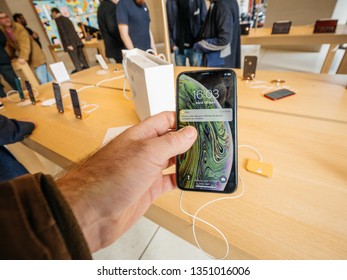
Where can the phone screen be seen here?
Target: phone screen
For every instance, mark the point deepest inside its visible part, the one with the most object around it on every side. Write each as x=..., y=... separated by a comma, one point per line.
x=76, y=103
x=19, y=88
x=278, y=94
x=30, y=92
x=207, y=100
x=58, y=98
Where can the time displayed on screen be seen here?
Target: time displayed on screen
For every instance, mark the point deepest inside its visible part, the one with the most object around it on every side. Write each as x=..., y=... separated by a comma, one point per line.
x=200, y=94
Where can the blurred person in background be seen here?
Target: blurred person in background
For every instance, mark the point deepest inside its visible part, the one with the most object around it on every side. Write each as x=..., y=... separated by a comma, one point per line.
x=23, y=47
x=18, y=17
x=134, y=25
x=185, y=19
x=220, y=36
x=107, y=21
x=72, y=44
x=12, y=131
x=6, y=69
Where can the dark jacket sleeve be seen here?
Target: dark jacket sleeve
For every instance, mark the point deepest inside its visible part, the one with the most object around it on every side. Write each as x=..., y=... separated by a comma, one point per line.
x=67, y=33
x=107, y=22
x=223, y=25
x=12, y=131
x=171, y=12
x=37, y=223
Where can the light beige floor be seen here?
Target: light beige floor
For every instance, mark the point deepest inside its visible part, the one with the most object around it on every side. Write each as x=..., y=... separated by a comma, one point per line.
x=146, y=240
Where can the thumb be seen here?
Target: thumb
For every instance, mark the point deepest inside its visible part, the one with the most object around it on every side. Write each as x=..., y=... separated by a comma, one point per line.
x=172, y=143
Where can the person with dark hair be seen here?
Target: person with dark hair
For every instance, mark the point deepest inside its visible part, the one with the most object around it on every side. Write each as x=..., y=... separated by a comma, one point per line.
x=12, y=131
x=95, y=203
x=6, y=69
x=20, y=45
x=107, y=21
x=72, y=44
x=18, y=17
x=185, y=19
x=220, y=38
x=134, y=25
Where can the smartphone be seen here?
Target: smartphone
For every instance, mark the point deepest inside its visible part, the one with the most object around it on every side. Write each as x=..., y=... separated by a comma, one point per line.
x=19, y=88
x=30, y=92
x=58, y=98
x=278, y=94
x=76, y=103
x=249, y=67
x=207, y=100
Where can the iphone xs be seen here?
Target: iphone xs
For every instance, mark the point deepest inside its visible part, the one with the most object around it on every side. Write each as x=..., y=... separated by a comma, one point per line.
x=207, y=100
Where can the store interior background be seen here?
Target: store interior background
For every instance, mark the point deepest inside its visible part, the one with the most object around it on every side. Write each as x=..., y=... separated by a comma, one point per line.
x=147, y=240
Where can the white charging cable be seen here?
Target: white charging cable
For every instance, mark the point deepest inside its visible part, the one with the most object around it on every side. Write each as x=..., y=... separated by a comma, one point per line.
x=10, y=93
x=126, y=77
x=83, y=88
x=253, y=83
x=109, y=80
x=94, y=107
x=194, y=216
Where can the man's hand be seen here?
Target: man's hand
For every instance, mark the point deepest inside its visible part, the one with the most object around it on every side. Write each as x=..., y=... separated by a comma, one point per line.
x=70, y=48
x=21, y=61
x=118, y=184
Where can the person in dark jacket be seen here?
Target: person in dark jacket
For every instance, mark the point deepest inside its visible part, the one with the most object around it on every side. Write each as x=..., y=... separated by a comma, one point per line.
x=72, y=44
x=107, y=21
x=220, y=40
x=12, y=131
x=6, y=69
x=185, y=18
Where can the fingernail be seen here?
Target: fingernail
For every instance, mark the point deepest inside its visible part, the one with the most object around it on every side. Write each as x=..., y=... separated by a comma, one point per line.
x=189, y=131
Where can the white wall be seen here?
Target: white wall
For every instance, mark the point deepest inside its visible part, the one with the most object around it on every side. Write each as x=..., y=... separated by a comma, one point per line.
x=300, y=12
x=340, y=11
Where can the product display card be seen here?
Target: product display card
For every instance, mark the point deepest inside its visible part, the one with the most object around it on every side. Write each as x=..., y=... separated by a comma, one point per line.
x=59, y=71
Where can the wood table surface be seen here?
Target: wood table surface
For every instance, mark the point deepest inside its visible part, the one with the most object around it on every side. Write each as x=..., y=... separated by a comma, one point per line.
x=298, y=213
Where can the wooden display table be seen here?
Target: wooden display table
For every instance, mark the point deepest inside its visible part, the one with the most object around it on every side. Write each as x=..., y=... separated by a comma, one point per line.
x=299, y=213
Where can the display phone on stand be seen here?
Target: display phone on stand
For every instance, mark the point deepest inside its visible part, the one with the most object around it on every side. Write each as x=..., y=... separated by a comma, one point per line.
x=207, y=100
x=30, y=92
x=19, y=88
x=58, y=98
x=76, y=103
x=249, y=67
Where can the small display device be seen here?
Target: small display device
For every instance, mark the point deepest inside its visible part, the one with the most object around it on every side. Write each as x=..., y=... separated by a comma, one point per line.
x=76, y=103
x=58, y=98
x=281, y=27
x=325, y=26
x=249, y=67
x=279, y=94
x=207, y=100
x=19, y=88
x=30, y=92
x=245, y=28
x=101, y=61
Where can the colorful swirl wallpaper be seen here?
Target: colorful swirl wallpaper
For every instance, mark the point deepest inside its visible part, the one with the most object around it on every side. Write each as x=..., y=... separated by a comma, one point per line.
x=208, y=164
